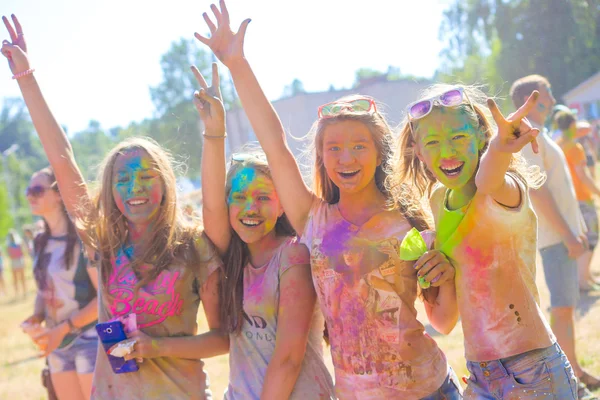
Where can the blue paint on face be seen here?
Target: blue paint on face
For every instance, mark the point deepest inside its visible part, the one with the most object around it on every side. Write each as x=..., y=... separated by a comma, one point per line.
x=240, y=182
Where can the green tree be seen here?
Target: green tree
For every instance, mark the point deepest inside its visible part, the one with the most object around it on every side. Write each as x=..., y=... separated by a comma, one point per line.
x=499, y=41
x=178, y=126
x=6, y=219
x=90, y=147
x=294, y=88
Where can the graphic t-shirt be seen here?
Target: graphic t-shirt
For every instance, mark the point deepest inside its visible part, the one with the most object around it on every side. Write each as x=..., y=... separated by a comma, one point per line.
x=367, y=294
x=251, y=350
x=575, y=156
x=62, y=291
x=493, y=250
x=166, y=307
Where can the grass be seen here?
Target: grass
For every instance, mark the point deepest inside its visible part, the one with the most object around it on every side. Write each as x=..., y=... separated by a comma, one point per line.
x=20, y=373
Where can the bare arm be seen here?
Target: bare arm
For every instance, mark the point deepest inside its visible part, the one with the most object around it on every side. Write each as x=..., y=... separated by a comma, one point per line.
x=72, y=186
x=296, y=306
x=209, y=344
x=214, y=206
x=295, y=196
x=443, y=313
x=546, y=207
x=583, y=173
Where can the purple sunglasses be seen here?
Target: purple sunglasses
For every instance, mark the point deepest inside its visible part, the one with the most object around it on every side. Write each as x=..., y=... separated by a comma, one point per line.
x=422, y=108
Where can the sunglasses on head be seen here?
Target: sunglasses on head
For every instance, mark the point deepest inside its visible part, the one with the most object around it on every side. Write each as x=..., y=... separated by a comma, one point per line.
x=362, y=104
x=242, y=157
x=36, y=191
x=450, y=98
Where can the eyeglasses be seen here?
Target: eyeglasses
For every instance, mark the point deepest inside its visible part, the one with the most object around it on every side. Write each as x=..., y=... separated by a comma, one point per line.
x=36, y=191
x=364, y=104
x=451, y=98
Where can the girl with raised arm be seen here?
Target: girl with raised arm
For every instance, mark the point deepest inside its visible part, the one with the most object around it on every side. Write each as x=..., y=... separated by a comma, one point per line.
x=151, y=263
x=66, y=299
x=486, y=225
x=367, y=294
x=267, y=296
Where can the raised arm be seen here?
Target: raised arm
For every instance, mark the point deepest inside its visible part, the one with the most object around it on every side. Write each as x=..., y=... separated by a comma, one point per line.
x=72, y=186
x=209, y=103
x=295, y=196
x=513, y=134
x=296, y=307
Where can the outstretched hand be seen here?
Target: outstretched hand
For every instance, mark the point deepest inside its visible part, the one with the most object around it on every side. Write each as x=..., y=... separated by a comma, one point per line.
x=15, y=51
x=209, y=103
x=515, y=131
x=226, y=45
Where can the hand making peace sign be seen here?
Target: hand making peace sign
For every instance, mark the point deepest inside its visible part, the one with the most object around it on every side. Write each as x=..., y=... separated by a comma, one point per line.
x=15, y=51
x=227, y=46
x=209, y=103
x=515, y=131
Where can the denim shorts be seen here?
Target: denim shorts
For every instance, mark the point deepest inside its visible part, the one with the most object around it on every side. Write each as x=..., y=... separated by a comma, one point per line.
x=540, y=374
x=561, y=275
x=78, y=356
x=450, y=390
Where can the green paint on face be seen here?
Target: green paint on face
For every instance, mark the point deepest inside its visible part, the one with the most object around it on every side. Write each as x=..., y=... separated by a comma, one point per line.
x=449, y=146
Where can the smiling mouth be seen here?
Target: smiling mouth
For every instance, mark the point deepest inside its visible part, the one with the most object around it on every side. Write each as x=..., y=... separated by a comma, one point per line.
x=348, y=174
x=453, y=170
x=250, y=223
x=137, y=202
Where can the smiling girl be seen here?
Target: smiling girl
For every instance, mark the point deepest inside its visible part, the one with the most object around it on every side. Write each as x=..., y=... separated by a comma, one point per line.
x=150, y=261
x=267, y=296
x=485, y=224
x=367, y=294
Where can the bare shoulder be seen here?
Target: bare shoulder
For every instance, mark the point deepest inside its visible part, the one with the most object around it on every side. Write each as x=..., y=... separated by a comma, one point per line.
x=295, y=254
x=437, y=198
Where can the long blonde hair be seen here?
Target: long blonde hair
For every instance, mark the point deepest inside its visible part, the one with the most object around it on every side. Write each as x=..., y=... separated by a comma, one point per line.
x=172, y=237
x=407, y=166
x=383, y=138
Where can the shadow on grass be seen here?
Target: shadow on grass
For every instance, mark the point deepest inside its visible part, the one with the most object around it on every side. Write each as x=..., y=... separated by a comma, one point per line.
x=586, y=302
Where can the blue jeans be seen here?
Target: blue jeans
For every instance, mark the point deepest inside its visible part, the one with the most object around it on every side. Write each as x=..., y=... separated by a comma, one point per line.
x=540, y=374
x=450, y=390
x=78, y=356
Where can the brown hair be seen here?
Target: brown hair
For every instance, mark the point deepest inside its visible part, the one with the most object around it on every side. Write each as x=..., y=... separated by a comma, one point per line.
x=41, y=240
x=237, y=256
x=408, y=166
x=172, y=237
x=522, y=88
x=564, y=120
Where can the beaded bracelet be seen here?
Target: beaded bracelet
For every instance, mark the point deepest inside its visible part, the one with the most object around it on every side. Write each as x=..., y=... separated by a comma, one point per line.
x=24, y=73
x=214, y=136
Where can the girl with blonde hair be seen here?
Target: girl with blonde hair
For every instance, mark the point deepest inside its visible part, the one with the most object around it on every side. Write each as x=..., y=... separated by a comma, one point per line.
x=152, y=264
x=367, y=294
x=479, y=193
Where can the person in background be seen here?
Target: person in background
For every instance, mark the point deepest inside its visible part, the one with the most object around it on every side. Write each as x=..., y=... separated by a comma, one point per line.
x=28, y=237
x=17, y=262
x=2, y=286
x=584, y=137
x=561, y=229
x=585, y=188
x=66, y=298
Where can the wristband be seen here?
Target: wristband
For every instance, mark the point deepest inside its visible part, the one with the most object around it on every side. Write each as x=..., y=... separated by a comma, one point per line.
x=72, y=328
x=214, y=136
x=24, y=73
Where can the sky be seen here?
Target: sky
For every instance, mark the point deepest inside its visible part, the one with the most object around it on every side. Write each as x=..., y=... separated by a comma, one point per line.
x=97, y=60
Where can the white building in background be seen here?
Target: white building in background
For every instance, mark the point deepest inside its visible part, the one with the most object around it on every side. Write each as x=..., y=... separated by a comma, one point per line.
x=585, y=97
x=299, y=112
